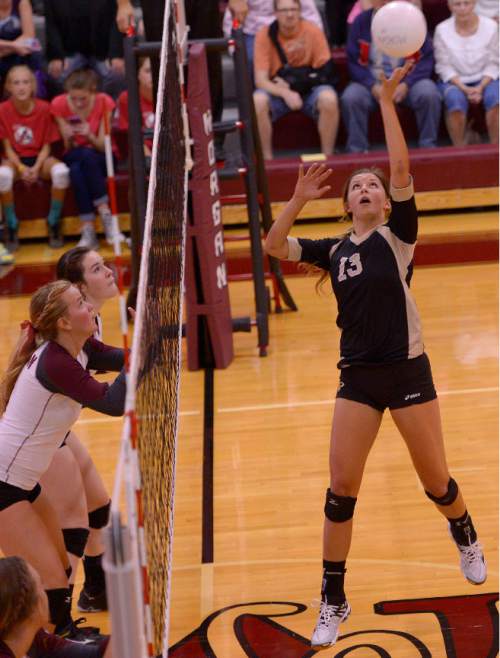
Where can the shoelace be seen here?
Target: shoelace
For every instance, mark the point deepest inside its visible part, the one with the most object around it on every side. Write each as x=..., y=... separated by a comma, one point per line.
x=472, y=553
x=328, y=611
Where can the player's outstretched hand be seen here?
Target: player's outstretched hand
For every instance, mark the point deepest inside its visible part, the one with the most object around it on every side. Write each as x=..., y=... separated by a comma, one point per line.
x=310, y=185
x=388, y=86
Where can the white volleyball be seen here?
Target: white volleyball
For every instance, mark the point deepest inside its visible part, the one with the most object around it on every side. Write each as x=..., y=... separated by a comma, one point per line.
x=399, y=28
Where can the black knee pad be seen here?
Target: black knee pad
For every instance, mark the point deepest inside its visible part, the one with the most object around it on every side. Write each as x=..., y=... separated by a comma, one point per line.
x=75, y=540
x=450, y=496
x=339, y=508
x=99, y=517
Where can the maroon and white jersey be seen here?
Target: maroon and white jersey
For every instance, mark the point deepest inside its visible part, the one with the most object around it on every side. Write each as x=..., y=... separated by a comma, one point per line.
x=46, y=402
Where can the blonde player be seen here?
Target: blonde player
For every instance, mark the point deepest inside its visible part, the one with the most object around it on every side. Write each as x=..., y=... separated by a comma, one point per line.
x=44, y=388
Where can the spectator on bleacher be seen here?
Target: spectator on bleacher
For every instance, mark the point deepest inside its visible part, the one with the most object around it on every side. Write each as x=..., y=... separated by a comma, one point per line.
x=255, y=14
x=24, y=612
x=80, y=114
x=18, y=44
x=27, y=131
x=145, y=81
x=84, y=34
x=304, y=45
x=466, y=49
x=361, y=97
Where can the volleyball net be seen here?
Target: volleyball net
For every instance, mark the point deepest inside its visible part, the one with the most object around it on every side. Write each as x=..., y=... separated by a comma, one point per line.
x=139, y=554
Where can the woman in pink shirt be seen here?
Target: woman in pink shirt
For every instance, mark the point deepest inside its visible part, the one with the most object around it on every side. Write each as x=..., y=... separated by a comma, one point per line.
x=80, y=114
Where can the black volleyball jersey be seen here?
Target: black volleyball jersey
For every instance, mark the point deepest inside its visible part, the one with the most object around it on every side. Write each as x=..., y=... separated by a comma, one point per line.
x=370, y=277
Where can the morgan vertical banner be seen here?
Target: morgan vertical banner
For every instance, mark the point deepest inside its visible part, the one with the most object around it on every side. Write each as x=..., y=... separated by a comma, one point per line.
x=207, y=292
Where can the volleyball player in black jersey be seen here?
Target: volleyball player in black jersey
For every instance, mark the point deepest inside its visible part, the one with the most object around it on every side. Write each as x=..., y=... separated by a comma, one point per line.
x=382, y=359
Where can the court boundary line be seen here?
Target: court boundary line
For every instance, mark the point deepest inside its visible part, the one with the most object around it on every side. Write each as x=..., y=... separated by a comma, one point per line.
x=379, y=561
x=286, y=405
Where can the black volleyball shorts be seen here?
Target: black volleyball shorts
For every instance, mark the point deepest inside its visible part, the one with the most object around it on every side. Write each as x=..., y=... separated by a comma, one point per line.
x=10, y=494
x=393, y=385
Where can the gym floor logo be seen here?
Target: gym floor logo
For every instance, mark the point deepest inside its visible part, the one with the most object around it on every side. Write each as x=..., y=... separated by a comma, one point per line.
x=469, y=628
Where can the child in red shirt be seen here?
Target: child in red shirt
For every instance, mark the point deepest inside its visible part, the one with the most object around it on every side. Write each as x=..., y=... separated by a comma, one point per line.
x=146, y=101
x=80, y=116
x=27, y=131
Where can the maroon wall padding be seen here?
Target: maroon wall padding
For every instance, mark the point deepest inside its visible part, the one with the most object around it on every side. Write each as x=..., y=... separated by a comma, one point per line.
x=207, y=294
x=296, y=131
x=33, y=201
x=443, y=168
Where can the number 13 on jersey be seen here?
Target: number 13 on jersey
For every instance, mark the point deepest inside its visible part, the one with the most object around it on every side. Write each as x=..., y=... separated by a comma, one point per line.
x=350, y=266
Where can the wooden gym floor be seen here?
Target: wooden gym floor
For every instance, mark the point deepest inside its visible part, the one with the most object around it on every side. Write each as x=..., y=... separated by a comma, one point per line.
x=272, y=426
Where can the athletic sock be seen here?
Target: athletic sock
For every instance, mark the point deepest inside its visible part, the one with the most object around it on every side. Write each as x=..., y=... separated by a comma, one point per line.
x=95, y=581
x=10, y=215
x=54, y=212
x=332, y=587
x=59, y=607
x=462, y=530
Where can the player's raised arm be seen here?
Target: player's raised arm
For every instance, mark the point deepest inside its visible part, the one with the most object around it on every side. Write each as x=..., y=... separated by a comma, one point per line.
x=396, y=144
x=310, y=185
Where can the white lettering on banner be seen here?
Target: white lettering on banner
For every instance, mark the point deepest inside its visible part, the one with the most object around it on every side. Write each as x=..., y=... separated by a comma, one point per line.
x=207, y=122
x=219, y=244
x=211, y=152
x=221, y=276
x=216, y=213
x=214, y=183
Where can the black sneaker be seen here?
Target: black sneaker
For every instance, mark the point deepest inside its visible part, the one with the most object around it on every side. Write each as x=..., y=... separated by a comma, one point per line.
x=81, y=634
x=92, y=602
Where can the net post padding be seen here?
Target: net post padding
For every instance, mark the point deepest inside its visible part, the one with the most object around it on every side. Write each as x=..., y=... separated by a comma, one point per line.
x=207, y=292
x=153, y=384
x=122, y=585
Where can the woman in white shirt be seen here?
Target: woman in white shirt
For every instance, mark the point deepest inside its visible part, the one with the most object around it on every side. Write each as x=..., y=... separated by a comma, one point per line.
x=46, y=384
x=466, y=54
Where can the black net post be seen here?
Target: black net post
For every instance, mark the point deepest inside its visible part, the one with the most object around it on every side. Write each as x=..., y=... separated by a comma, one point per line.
x=136, y=163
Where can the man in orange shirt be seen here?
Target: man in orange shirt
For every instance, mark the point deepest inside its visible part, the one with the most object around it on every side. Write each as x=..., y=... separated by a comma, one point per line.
x=303, y=44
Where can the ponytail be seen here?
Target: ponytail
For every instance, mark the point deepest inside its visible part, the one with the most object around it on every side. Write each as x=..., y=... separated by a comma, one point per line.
x=20, y=356
x=46, y=308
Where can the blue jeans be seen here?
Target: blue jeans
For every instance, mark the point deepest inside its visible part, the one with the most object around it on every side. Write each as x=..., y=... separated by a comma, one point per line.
x=357, y=103
x=87, y=171
x=249, y=45
x=279, y=108
x=456, y=101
